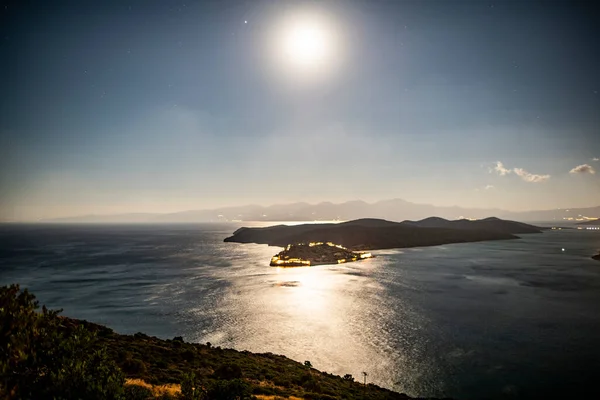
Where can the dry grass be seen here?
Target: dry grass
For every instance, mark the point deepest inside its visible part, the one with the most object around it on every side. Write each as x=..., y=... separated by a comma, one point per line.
x=157, y=390
x=173, y=389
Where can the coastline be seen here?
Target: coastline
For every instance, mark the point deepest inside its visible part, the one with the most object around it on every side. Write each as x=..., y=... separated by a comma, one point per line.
x=148, y=360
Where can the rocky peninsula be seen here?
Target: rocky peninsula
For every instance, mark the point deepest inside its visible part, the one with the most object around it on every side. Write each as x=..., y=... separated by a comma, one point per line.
x=315, y=253
x=373, y=234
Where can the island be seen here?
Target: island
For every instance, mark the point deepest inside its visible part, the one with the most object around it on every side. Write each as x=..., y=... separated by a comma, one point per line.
x=374, y=234
x=316, y=253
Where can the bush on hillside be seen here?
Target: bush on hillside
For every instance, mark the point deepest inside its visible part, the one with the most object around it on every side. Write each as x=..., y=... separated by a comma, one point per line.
x=228, y=371
x=191, y=389
x=40, y=358
x=234, y=389
x=137, y=392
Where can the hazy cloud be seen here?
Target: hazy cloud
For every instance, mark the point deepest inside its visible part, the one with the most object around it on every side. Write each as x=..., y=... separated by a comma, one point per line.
x=500, y=169
x=487, y=187
x=529, y=177
x=526, y=176
x=595, y=159
x=583, y=169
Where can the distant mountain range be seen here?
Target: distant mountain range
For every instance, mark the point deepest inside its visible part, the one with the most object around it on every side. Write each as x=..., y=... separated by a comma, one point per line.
x=393, y=210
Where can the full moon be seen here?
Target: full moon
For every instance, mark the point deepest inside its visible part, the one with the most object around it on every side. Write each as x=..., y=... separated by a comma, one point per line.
x=306, y=44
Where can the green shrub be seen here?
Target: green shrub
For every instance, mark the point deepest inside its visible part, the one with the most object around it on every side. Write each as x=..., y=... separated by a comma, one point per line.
x=133, y=366
x=281, y=381
x=318, y=396
x=228, y=371
x=188, y=355
x=166, y=396
x=235, y=389
x=137, y=392
x=191, y=388
x=265, y=390
x=41, y=358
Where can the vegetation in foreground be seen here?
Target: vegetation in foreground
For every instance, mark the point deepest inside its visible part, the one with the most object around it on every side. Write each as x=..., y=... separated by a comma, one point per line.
x=46, y=356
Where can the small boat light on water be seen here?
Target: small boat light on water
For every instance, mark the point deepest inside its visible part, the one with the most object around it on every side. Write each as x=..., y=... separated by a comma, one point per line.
x=563, y=249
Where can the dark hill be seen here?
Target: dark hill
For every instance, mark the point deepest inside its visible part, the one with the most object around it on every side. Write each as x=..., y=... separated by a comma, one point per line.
x=371, y=234
x=487, y=224
x=368, y=223
x=431, y=222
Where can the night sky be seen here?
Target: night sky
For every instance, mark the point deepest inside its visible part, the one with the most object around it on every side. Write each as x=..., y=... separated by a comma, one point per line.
x=161, y=106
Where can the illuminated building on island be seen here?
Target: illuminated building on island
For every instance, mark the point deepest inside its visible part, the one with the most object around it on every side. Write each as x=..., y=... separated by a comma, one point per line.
x=316, y=253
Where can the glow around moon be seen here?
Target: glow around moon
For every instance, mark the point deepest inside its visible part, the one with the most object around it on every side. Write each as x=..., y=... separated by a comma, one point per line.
x=306, y=44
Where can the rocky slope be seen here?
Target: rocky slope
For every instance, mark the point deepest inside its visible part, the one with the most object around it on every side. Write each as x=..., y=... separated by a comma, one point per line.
x=161, y=362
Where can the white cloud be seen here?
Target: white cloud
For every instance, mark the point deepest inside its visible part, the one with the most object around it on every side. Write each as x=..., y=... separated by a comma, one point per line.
x=595, y=159
x=529, y=177
x=500, y=169
x=526, y=176
x=488, y=187
x=583, y=169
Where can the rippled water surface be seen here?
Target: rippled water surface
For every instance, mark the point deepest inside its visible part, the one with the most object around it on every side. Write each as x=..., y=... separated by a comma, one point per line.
x=504, y=319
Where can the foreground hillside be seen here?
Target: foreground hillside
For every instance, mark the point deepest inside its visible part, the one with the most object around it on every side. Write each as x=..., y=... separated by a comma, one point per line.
x=45, y=356
x=159, y=362
x=372, y=234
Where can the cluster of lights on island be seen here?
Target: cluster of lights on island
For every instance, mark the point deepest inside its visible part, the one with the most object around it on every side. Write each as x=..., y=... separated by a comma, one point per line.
x=316, y=253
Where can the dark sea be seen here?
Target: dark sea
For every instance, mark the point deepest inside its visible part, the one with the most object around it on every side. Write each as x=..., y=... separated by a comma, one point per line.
x=514, y=319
